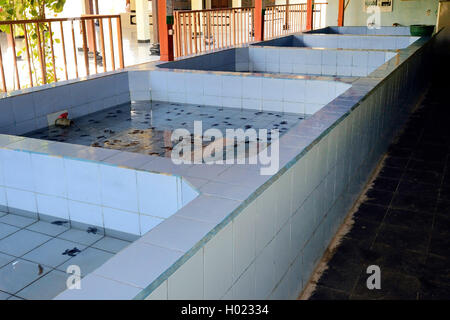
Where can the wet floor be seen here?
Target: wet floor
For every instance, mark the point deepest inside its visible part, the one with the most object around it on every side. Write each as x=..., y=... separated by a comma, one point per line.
x=146, y=127
x=35, y=255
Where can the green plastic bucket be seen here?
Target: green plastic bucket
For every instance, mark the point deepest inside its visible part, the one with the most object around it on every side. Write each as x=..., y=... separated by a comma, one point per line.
x=421, y=30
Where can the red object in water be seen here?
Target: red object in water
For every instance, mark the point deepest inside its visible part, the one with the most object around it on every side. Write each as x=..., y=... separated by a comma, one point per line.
x=63, y=115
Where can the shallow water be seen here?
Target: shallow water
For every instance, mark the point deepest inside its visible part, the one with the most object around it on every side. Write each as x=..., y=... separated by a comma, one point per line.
x=146, y=127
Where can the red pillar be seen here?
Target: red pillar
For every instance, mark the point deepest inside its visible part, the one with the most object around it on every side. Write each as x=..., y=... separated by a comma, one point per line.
x=341, y=13
x=259, y=20
x=309, y=14
x=165, y=28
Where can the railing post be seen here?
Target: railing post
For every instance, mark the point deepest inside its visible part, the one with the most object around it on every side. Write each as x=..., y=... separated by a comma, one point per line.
x=259, y=20
x=286, y=17
x=341, y=13
x=309, y=14
x=165, y=27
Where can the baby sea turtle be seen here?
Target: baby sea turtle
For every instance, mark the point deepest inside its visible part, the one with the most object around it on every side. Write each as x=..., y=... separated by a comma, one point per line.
x=71, y=252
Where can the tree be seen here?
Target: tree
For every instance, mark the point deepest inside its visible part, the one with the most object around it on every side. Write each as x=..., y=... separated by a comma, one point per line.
x=11, y=10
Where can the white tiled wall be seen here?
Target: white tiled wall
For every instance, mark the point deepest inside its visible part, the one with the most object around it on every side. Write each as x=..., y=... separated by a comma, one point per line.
x=28, y=111
x=316, y=62
x=114, y=198
x=250, y=92
x=271, y=247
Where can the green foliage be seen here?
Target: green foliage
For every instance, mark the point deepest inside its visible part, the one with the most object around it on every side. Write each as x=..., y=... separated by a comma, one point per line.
x=33, y=10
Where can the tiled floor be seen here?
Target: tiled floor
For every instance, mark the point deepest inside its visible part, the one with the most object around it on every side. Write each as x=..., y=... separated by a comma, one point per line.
x=404, y=226
x=34, y=256
x=147, y=127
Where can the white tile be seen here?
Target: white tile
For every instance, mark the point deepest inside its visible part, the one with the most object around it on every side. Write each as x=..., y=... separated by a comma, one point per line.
x=294, y=90
x=99, y=288
x=52, y=206
x=282, y=252
x=157, y=194
x=187, y=282
x=22, y=200
x=119, y=188
x=85, y=213
x=84, y=181
x=272, y=89
x=232, y=86
x=147, y=223
x=158, y=81
x=212, y=85
x=284, y=205
x=143, y=264
x=119, y=220
x=244, y=245
x=49, y=175
x=159, y=293
x=266, y=206
x=264, y=272
x=218, y=255
x=17, y=169
x=244, y=288
x=208, y=209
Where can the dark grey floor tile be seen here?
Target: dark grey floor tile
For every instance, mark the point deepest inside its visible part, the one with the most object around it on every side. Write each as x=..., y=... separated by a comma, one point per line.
x=370, y=212
x=418, y=189
x=391, y=173
x=409, y=219
x=397, y=260
x=402, y=238
x=351, y=252
x=443, y=207
x=340, y=277
x=394, y=285
x=420, y=165
x=440, y=244
x=385, y=184
x=323, y=293
x=434, y=291
x=395, y=162
x=425, y=177
x=411, y=202
x=378, y=197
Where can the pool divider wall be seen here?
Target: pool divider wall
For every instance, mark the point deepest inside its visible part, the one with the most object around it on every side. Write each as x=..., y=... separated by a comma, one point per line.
x=384, y=30
x=332, y=62
x=27, y=110
x=343, y=41
x=280, y=93
x=271, y=247
x=119, y=201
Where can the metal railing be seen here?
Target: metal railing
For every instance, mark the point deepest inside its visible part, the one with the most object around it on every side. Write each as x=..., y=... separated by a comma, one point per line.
x=281, y=20
x=284, y=19
x=197, y=31
x=40, y=52
x=205, y=30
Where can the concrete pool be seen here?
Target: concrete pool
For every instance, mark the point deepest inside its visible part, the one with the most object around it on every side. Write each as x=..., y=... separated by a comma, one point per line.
x=210, y=231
